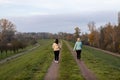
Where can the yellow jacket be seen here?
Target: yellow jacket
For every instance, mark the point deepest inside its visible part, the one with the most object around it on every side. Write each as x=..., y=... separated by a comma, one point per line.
x=56, y=47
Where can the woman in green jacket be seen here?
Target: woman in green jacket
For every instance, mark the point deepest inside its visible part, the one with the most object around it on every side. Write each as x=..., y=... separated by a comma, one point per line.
x=78, y=48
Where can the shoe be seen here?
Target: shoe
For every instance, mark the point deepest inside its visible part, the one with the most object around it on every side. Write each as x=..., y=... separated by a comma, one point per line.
x=56, y=61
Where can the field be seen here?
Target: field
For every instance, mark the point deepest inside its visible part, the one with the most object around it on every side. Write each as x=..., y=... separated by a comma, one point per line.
x=34, y=65
x=105, y=66
x=31, y=66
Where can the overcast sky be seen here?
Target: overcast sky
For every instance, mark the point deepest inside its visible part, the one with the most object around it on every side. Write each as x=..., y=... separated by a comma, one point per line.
x=58, y=15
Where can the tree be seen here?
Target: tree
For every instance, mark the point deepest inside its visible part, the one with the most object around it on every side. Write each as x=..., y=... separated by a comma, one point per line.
x=91, y=36
x=84, y=38
x=77, y=32
x=117, y=39
x=106, y=37
x=109, y=39
x=101, y=39
x=7, y=30
x=91, y=26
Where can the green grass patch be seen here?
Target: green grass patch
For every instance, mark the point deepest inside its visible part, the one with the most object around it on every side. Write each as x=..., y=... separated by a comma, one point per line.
x=105, y=66
x=11, y=53
x=31, y=66
x=69, y=69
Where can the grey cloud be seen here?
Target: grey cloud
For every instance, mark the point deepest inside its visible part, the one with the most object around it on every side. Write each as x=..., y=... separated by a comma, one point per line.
x=64, y=22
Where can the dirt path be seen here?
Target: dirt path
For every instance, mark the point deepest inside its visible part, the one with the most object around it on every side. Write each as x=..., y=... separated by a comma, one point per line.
x=87, y=74
x=108, y=52
x=17, y=55
x=53, y=70
x=52, y=73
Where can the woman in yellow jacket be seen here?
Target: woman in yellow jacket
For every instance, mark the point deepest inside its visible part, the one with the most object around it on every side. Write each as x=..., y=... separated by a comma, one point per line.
x=56, y=48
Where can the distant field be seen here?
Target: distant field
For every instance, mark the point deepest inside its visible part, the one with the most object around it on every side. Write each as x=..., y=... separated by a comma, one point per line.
x=105, y=66
x=31, y=66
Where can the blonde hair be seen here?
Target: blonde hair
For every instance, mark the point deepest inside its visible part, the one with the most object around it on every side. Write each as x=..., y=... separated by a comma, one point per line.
x=78, y=39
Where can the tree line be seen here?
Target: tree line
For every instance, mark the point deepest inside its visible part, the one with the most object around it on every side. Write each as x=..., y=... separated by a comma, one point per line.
x=10, y=39
x=106, y=37
x=13, y=41
x=7, y=31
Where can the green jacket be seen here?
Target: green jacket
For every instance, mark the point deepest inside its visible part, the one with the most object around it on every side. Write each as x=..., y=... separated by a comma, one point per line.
x=78, y=46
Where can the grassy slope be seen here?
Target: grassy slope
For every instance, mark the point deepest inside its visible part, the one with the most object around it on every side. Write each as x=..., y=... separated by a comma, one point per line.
x=11, y=53
x=32, y=66
x=68, y=67
x=105, y=66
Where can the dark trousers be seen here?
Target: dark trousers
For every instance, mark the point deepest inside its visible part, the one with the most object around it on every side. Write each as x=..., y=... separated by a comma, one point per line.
x=56, y=55
x=78, y=54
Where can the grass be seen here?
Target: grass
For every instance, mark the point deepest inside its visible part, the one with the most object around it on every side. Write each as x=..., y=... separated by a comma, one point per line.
x=31, y=66
x=69, y=69
x=105, y=66
x=11, y=53
x=34, y=65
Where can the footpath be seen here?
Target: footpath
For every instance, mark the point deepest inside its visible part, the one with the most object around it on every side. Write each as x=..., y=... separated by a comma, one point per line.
x=52, y=73
x=108, y=52
x=87, y=74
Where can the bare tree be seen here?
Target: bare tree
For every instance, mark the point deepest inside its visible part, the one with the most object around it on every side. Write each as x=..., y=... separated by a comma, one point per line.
x=7, y=30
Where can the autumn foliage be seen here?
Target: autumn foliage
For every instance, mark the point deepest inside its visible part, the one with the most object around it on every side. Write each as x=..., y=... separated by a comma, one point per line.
x=106, y=37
